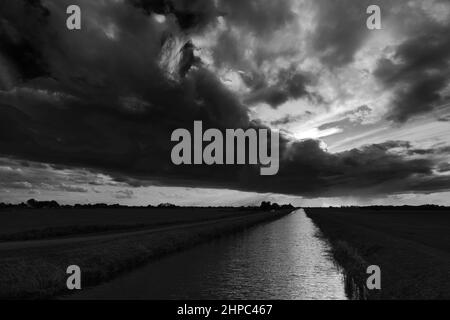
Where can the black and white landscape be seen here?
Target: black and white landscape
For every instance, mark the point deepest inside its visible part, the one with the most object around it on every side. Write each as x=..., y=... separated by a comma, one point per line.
x=114, y=152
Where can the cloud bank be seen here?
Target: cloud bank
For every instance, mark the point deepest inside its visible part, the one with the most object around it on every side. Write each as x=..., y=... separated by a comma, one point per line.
x=100, y=99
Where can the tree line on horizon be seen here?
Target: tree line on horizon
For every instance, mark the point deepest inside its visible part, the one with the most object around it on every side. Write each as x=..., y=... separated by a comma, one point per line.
x=52, y=204
x=265, y=205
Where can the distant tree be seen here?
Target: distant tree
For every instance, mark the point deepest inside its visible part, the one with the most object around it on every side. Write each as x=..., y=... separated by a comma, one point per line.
x=265, y=205
x=166, y=205
x=32, y=203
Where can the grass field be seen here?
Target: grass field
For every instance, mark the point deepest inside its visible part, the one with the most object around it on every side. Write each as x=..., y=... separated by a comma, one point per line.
x=39, y=271
x=31, y=224
x=412, y=248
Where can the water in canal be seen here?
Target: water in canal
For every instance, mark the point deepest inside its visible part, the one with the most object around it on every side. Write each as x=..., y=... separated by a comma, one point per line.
x=282, y=259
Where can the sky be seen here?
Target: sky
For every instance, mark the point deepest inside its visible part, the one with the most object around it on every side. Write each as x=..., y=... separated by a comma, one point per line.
x=86, y=115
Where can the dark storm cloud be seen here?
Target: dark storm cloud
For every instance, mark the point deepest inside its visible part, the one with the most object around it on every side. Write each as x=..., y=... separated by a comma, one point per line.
x=18, y=45
x=308, y=170
x=259, y=16
x=420, y=72
x=341, y=29
x=290, y=85
x=189, y=14
x=107, y=106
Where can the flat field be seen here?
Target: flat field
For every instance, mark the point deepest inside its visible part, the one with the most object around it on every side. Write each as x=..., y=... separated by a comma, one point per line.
x=412, y=248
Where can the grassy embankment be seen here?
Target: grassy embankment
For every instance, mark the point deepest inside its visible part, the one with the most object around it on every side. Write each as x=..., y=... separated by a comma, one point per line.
x=411, y=247
x=18, y=224
x=40, y=272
